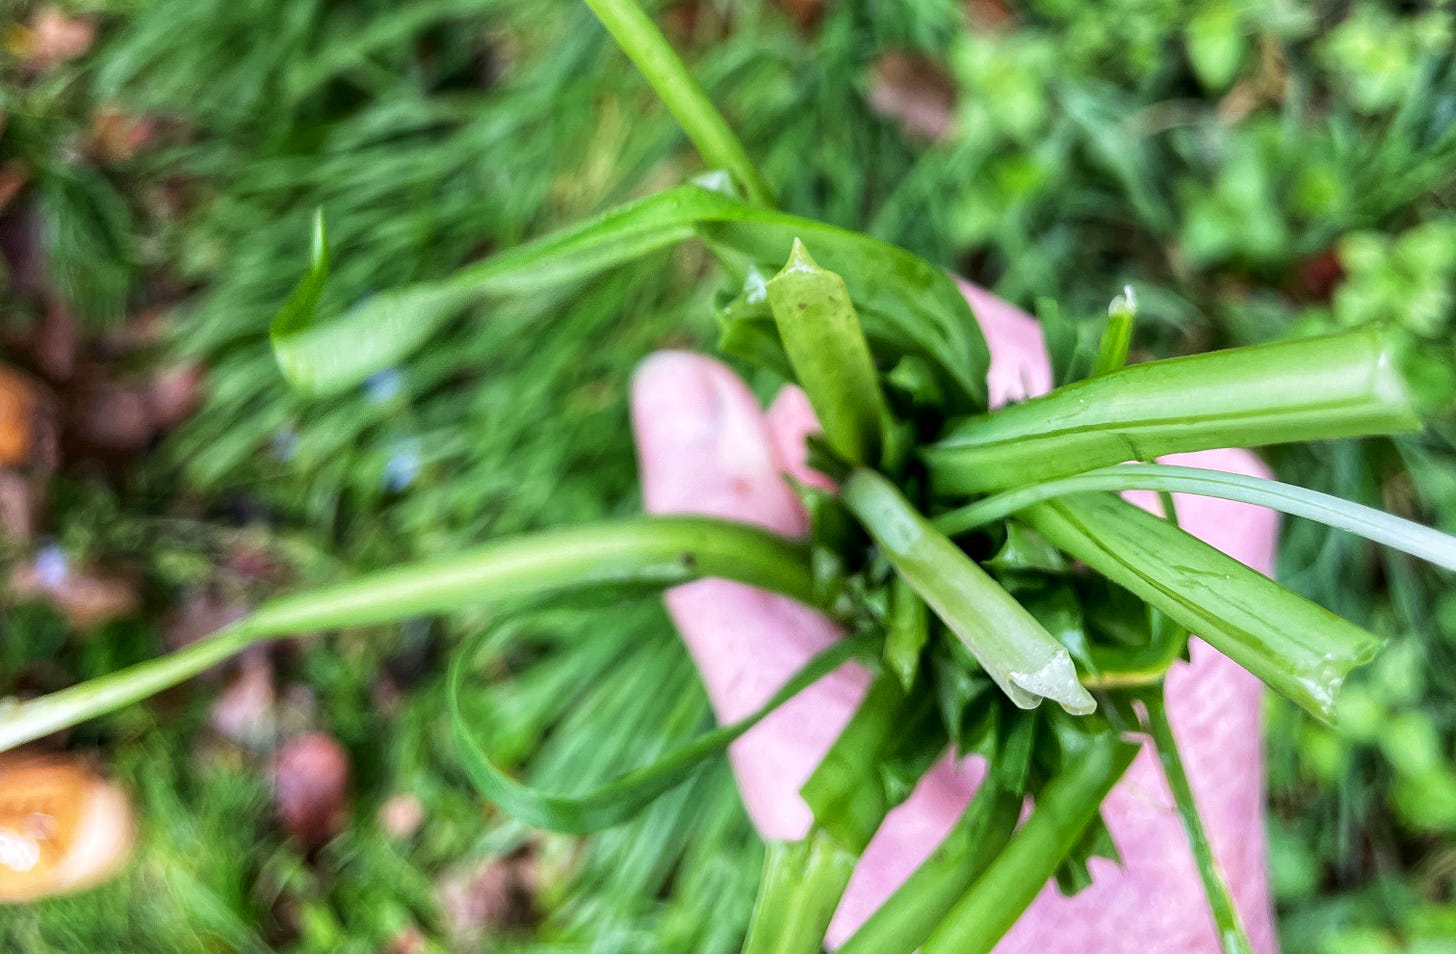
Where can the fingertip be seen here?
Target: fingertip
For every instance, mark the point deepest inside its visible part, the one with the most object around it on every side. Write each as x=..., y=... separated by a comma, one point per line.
x=703, y=445
x=1020, y=368
x=790, y=420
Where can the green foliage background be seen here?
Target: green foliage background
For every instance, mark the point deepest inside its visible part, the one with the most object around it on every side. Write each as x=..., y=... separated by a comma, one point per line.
x=1256, y=169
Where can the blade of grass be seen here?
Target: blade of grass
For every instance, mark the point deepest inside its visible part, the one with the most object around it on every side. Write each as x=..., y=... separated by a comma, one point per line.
x=822, y=336
x=622, y=798
x=645, y=45
x=1300, y=649
x=1308, y=389
x=1015, y=650
x=1407, y=536
x=651, y=552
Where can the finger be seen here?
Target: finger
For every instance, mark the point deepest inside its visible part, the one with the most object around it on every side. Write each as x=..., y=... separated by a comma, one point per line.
x=791, y=420
x=705, y=448
x=1019, y=365
x=703, y=445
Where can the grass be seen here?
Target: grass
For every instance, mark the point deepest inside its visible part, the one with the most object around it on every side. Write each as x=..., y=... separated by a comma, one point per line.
x=1216, y=161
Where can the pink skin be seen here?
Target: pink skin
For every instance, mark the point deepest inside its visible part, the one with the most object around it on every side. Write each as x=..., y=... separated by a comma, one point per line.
x=706, y=447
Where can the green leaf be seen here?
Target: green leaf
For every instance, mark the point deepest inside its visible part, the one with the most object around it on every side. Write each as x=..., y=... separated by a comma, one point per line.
x=1298, y=648
x=323, y=358
x=1375, y=525
x=906, y=305
x=1301, y=390
x=1021, y=656
x=822, y=336
x=1216, y=44
x=616, y=801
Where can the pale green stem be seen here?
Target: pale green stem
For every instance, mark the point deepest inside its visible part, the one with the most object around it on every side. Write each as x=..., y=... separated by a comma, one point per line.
x=1419, y=541
x=655, y=58
x=642, y=551
x=1225, y=916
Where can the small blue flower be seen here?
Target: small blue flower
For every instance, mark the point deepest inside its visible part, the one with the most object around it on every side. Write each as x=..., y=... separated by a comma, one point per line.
x=383, y=385
x=52, y=566
x=403, y=465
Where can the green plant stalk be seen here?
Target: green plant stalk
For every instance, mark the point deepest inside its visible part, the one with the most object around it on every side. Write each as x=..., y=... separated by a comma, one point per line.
x=797, y=896
x=846, y=791
x=1117, y=338
x=831, y=359
x=659, y=63
x=1065, y=807
x=1225, y=916
x=1015, y=650
x=902, y=923
x=1404, y=535
x=1300, y=649
x=640, y=551
x=850, y=794
x=1308, y=389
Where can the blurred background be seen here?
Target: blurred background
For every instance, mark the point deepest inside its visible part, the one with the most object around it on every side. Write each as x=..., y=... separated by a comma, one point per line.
x=1254, y=168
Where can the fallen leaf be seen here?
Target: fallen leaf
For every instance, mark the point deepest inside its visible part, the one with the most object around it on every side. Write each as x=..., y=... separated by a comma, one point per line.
x=14, y=177
x=28, y=431
x=498, y=894
x=20, y=497
x=51, y=39
x=914, y=92
x=401, y=815
x=245, y=711
x=200, y=613
x=116, y=136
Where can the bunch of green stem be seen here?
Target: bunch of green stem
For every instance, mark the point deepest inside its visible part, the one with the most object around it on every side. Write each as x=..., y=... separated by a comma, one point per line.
x=888, y=353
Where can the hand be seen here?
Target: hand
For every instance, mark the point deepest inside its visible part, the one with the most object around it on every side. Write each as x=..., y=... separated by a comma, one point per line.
x=706, y=447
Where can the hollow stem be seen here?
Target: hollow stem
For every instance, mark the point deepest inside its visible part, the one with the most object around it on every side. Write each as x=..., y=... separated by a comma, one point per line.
x=1308, y=389
x=903, y=922
x=800, y=889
